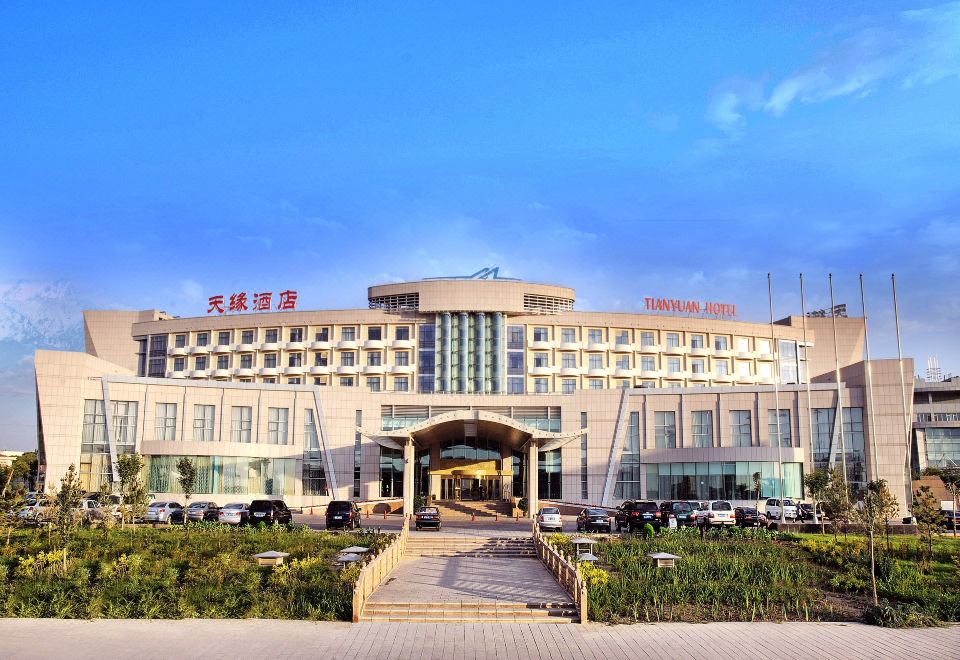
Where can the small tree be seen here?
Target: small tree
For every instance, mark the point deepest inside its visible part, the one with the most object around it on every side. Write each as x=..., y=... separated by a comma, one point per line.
x=67, y=501
x=926, y=510
x=756, y=489
x=836, y=501
x=23, y=467
x=188, y=477
x=129, y=468
x=816, y=483
x=950, y=476
x=870, y=514
x=888, y=507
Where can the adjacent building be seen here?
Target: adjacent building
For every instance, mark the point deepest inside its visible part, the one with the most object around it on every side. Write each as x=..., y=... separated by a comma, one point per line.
x=457, y=388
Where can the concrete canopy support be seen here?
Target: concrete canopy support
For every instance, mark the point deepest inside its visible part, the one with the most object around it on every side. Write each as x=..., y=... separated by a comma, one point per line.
x=533, y=481
x=409, y=458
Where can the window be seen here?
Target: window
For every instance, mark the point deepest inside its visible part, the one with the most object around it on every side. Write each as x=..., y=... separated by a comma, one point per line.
x=787, y=355
x=223, y=362
x=277, y=425
x=549, y=474
x=203, y=423
x=157, y=363
x=358, y=422
x=541, y=359
x=623, y=338
x=346, y=381
x=402, y=358
x=765, y=370
x=721, y=480
x=203, y=338
x=720, y=343
x=696, y=341
x=373, y=384
x=648, y=363
x=568, y=335
x=743, y=368
x=696, y=366
x=514, y=386
x=180, y=341
x=166, y=422
x=402, y=333
x=314, y=478
x=319, y=359
x=569, y=360
x=374, y=333
x=348, y=359
x=594, y=336
x=540, y=385
x=515, y=364
x=94, y=427
x=628, y=480
x=271, y=336
x=246, y=337
x=270, y=361
x=179, y=364
x=673, y=339
x=293, y=381
x=515, y=336
x=141, y=356
x=569, y=385
x=673, y=365
x=763, y=346
x=646, y=338
x=296, y=334
x=323, y=334
x=784, y=428
x=241, y=422
x=269, y=380
x=595, y=384
x=743, y=344
x=741, y=433
x=595, y=361
x=702, y=428
x=583, y=457
x=223, y=337
x=348, y=334
x=665, y=429
x=391, y=472
x=541, y=334
x=623, y=362
x=401, y=384
x=200, y=362
x=374, y=359
x=721, y=367
x=246, y=361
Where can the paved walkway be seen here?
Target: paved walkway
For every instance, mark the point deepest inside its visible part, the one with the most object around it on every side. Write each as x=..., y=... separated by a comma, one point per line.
x=231, y=639
x=469, y=579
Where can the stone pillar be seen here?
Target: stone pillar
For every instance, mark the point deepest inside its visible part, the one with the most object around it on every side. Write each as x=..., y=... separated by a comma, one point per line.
x=445, y=385
x=533, y=478
x=480, y=372
x=409, y=460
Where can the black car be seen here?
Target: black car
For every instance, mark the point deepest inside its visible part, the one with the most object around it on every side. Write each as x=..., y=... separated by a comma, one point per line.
x=428, y=516
x=271, y=512
x=635, y=514
x=343, y=514
x=951, y=519
x=746, y=516
x=805, y=511
x=682, y=511
x=593, y=519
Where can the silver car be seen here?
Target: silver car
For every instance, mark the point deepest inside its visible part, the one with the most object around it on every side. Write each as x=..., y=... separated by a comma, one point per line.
x=199, y=511
x=235, y=513
x=548, y=519
x=161, y=511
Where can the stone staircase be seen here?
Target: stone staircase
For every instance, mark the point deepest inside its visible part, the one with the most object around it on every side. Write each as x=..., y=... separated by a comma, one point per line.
x=504, y=547
x=465, y=510
x=471, y=612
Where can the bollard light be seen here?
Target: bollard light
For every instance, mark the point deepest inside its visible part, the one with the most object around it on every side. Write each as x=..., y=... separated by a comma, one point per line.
x=271, y=558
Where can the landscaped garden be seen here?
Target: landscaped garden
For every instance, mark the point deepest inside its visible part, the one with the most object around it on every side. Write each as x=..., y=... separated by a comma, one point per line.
x=747, y=575
x=206, y=571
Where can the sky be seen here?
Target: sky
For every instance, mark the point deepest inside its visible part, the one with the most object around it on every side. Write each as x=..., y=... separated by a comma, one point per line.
x=153, y=155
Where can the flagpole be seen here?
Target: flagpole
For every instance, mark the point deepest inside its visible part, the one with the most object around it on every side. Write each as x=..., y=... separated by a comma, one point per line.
x=836, y=361
x=806, y=370
x=869, y=374
x=776, y=397
x=908, y=463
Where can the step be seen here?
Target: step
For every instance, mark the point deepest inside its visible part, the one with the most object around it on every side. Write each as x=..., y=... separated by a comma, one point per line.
x=470, y=612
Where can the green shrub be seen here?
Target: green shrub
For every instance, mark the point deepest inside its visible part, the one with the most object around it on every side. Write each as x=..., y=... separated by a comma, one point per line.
x=898, y=616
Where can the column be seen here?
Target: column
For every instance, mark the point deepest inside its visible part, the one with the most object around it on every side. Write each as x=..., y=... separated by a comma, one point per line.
x=409, y=460
x=463, y=385
x=533, y=478
x=480, y=372
x=497, y=366
x=445, y=385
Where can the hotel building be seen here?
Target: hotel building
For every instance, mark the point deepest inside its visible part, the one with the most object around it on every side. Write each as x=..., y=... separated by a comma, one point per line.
x=458, y=388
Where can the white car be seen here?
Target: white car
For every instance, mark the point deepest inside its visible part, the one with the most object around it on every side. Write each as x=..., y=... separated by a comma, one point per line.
x=35, y=511
x=548, y=519
x=718, y=513
x=773, y=509
x=234, y=513
x=161, y=511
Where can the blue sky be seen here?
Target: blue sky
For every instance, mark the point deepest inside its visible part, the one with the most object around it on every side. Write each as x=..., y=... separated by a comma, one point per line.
x=151, y=156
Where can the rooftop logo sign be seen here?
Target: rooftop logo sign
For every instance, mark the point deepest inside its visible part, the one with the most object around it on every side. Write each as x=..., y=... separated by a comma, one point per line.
x=489, y=273
x=260, y=302
x=691, y=307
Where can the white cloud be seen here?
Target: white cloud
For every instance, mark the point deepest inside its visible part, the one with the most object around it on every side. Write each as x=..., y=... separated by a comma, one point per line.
x=191, y=291
x=730, y=100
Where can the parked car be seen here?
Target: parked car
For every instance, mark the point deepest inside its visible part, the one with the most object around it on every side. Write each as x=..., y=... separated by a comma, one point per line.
x=718, y=513
x=271, y=512
x=747, y=516
x=634, y=514
x=682, y=511
x=548, y=518
x=35, y=511
x=164, y=511
x=91, y=510
x=200, y=511
x=343, y=514
x=234, y=513
x=805, y=511
x=951, y=519
x=593, y=519
x=428, y=516
x=773, y=509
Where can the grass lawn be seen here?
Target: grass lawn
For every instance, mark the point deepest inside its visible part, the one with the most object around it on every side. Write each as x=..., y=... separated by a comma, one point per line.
x=735, y=575
x=165, y=573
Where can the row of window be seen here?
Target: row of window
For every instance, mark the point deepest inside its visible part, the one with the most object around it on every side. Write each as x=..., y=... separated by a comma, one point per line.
x=272, y=335
x=645, y=363
x=730, y=480
x=938, y=417
x=271, y=360
x=515, y=335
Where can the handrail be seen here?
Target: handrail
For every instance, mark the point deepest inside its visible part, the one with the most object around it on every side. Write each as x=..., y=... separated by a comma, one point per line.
x=565, y=570
x=373, y=573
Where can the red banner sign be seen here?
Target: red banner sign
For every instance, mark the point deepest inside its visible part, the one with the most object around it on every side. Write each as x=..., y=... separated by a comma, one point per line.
x=690, y=307
x=259, y=302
